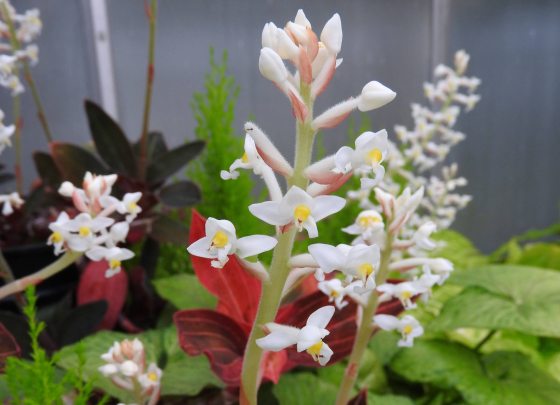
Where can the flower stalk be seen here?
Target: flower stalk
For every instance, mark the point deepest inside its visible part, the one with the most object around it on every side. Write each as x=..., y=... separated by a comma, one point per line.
x=151, y=12
x=279, y=269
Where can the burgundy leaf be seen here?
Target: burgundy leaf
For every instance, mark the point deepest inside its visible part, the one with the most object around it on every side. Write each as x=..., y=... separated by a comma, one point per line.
x=94, y=286
x=360, y=399
x=8, y=346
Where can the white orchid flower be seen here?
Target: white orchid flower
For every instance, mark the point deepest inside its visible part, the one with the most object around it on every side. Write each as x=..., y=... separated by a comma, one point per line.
x=426, y=282
x=128, y=205
x=114, y=256
x=85, y=228
x=6, y=132
x=357, y=262
x=10, y=201
x=221, y=241
x=308, y=338
x=440, y=266
x=408, y=326
x=369, y=228
x=336, y=291
x=151, y=378
x=404, y=292
x=298, y=208
x=60, y=233
x=421, y=237
x=369, y=152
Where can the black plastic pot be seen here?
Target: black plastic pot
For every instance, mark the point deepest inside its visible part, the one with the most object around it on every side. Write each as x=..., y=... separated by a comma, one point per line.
x=26, y=260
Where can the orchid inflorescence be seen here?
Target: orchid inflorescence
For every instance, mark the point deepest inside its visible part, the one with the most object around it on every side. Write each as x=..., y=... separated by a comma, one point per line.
x=93, y=231
x=391, y=238
x=125, y=365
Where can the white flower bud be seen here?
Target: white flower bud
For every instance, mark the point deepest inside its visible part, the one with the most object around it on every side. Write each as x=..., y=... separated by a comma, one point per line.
x=66, y=189
x=271, y=66
x=269, y=36
x=375, y=95
x=331, y=36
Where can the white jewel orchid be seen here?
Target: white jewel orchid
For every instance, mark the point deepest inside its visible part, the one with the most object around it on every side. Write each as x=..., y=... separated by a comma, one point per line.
x=336, y=291
x=6, y=132
x=9, y=202
x=427, y=281
x=408, y=327
x=421, y=237
x=128, y=205
x=151, y=378
x=404, y=292
x=220, y=241
x=368, y=226
x=298, y=208
x=84, y=228
x=440, y=266
x=357, y=262
x=60, y=233
x=309, y=338
x=114, y=256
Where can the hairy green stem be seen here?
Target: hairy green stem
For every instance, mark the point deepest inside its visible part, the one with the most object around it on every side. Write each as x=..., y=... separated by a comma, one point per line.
x=27, y=74
x=365, y=329
x=271, y=295
x=152, y=15
x=33, y=279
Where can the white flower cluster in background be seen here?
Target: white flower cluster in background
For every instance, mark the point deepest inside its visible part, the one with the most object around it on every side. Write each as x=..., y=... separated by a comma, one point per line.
x=16, y=46
x=93, y=231
x=421, y=149
x=125, y=365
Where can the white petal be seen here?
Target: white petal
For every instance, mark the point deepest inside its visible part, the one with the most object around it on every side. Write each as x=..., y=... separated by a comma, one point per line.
x=331, y=36
x=254, y=244
x=325, y=354
x=375, y=95
x=328, y=257
x=386, y=322
x=200, y=248
x=276, y=341
x=271, y=66
x=97, y=253
x=321, y=317
x=326, y=205
x=270, y=212
x=311, y=227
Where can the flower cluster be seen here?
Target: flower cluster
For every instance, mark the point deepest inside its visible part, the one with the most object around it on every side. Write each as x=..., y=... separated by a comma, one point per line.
x=93, y=231
x=6, y=132
x=17, y=32
x=125, y=365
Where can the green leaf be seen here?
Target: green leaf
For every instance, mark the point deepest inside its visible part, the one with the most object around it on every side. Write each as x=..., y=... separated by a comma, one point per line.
x=46, y=168
x=74, y=161
x=304, y=389
x=458, y=249
x=184, y=291
x=180, y=194
x=495, y=379
x=519, y=298
x=166, y=229
x=186, y=375
x=110, y=141
x=546, y=255
x=376, y=399
x=166, y=164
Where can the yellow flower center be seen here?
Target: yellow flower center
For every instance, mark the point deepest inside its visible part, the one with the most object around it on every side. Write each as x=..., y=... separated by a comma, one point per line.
x=315, y=349
x=365, y=269
x=132, y=206
x=302, y=212
x=406, y=295
x=245, y=158
x=115, y=264
x=334, y=294
x=84, y=231
x=220, y=240
x=366, y=221
x=56, y=237
x=152, y=376
x=374, y=156
x=407, y=330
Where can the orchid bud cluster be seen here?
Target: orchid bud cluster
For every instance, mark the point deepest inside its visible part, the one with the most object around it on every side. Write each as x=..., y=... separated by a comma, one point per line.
x=93, y=231
x=428, y=144
x=314, y=59
x=125, y=365
x=17, y=32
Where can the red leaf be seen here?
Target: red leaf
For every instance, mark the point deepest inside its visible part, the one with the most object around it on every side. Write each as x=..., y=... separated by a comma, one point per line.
x=360, y=399
x=237, y=291
x=8, y=346
x=215, y=335
x=94, y=286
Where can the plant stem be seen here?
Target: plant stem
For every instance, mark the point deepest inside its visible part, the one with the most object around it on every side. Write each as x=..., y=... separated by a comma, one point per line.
x=478, y=347
x=16, y=46
x=365, y=329
x=152, y=14
x=8, y=275
x=33, y=279
x=17, y=143
x=271, y=295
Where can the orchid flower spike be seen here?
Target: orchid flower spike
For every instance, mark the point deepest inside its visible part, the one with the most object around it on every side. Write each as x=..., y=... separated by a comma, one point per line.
x=298, y=208
x=357, y=262
x=408, y=326
x=308, y=338
x=336, y=291
x=221, y=241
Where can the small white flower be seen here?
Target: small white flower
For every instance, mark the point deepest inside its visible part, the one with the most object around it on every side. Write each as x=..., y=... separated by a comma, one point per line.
x=404, y=292
x=60, y=233
x=221, y=241
x=408, y=326
x=370, y=151
x=129, y=368
x=85, y=228
x=440, y=266
x=422, y=236
x=309, y=338
x=368, y=225
x=336, y=291
x=6, y=133
x=128, y=205
x=108, y=369
x=114, y=256
x=375, y=95
x=298, y=208
x=9, y=202
x=427, y=281
x=151, y=378
x=357, y=262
